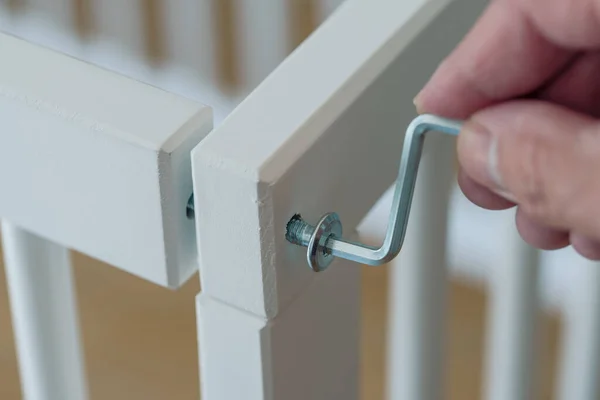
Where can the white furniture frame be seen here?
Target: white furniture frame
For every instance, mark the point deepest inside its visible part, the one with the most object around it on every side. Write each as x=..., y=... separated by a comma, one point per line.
x=104, y=164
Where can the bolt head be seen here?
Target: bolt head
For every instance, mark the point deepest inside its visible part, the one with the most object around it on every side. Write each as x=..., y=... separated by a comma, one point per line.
x=317, y=256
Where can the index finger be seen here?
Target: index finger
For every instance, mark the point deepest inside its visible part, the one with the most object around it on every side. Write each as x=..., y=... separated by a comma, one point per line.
x=513, y=49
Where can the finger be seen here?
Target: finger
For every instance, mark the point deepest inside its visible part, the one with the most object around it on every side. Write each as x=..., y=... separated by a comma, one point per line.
x=578, y=86
x=502, y=57
x=540, y=236
x=586, y=247
x=521, y=148
x=514, y=47
x=481, y=195
x=571, y=24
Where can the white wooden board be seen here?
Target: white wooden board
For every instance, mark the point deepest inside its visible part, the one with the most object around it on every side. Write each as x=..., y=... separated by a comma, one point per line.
x=98, y=162
x=322, y=133
x=310, y=351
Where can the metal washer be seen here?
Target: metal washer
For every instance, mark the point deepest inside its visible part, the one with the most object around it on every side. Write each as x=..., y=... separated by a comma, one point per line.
x=317, y=256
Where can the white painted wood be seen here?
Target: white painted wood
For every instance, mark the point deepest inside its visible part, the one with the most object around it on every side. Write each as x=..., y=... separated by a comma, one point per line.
x=580, y=354
x=301, y=141
x=44, y=314
x=472, y=245
x=310, y=351
x=512, y=327
x=98, y=162
x=418, y=282
x=263, y=38
x=121, y=23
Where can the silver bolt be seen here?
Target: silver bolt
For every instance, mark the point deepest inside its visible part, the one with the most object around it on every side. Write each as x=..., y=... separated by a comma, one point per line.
x=316, y=238
x=324, y=241
x=299, y=231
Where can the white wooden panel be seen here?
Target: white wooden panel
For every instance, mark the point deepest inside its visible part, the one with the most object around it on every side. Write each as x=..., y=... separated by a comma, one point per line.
x=513, y=322
x=418, y=285
x=311, y=351
x=263, y=38
x=44, y=315
x=98, y=162
x=580, y=354
x=120, y=22
x=189, y=35
x=323, y=133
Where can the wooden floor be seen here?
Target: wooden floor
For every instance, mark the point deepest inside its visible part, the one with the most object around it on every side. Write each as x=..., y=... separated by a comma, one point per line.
x=140, y=339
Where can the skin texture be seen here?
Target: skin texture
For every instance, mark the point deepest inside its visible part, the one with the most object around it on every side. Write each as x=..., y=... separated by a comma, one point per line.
x=527, y=80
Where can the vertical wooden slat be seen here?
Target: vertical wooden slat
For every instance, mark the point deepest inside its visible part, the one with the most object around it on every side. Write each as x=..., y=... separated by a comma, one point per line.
x=263, y=38
x=15, y=5
x=579, y=377
x=121, y=22
x=513, y=323
x=418, y=284
x=227, y=58
x=82, y=17
x=44, y=312
x=154, y=29
x=190, y=37
x=56, y=12
x=302, y=20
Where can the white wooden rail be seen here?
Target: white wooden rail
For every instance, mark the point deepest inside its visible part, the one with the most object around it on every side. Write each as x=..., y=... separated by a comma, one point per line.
x=98, y=162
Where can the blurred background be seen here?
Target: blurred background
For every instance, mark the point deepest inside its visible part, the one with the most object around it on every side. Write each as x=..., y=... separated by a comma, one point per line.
x=140, y=339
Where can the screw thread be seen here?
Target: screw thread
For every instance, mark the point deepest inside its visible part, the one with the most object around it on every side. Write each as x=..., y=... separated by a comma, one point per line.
x=299, y=231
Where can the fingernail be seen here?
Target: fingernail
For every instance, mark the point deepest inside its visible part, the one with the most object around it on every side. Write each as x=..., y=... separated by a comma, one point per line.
x=417, y=103
x=478, y=152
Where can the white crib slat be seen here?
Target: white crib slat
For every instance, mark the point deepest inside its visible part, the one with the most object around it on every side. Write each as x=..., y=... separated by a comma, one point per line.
x=418, y=283
x=59, y=12
x=263, y=38
x=120, y=22
x=513, y=320
x=189, y=35
x=580, y=358
x=44, y=312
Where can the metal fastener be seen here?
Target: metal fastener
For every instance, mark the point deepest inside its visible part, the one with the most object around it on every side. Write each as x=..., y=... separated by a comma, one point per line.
x=189, y=209
x=324, y=241
x=315, y=238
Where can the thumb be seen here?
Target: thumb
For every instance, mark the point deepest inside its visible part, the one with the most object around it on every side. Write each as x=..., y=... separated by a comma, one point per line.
x=543, y=157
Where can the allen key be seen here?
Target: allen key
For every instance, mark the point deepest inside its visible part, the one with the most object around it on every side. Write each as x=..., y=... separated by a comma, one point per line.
x=324, y=240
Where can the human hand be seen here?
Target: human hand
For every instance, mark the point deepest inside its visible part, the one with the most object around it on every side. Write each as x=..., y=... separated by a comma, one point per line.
x=527, y=77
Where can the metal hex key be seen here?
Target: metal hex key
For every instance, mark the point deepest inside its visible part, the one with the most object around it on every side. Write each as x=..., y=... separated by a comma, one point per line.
x=324, y=240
